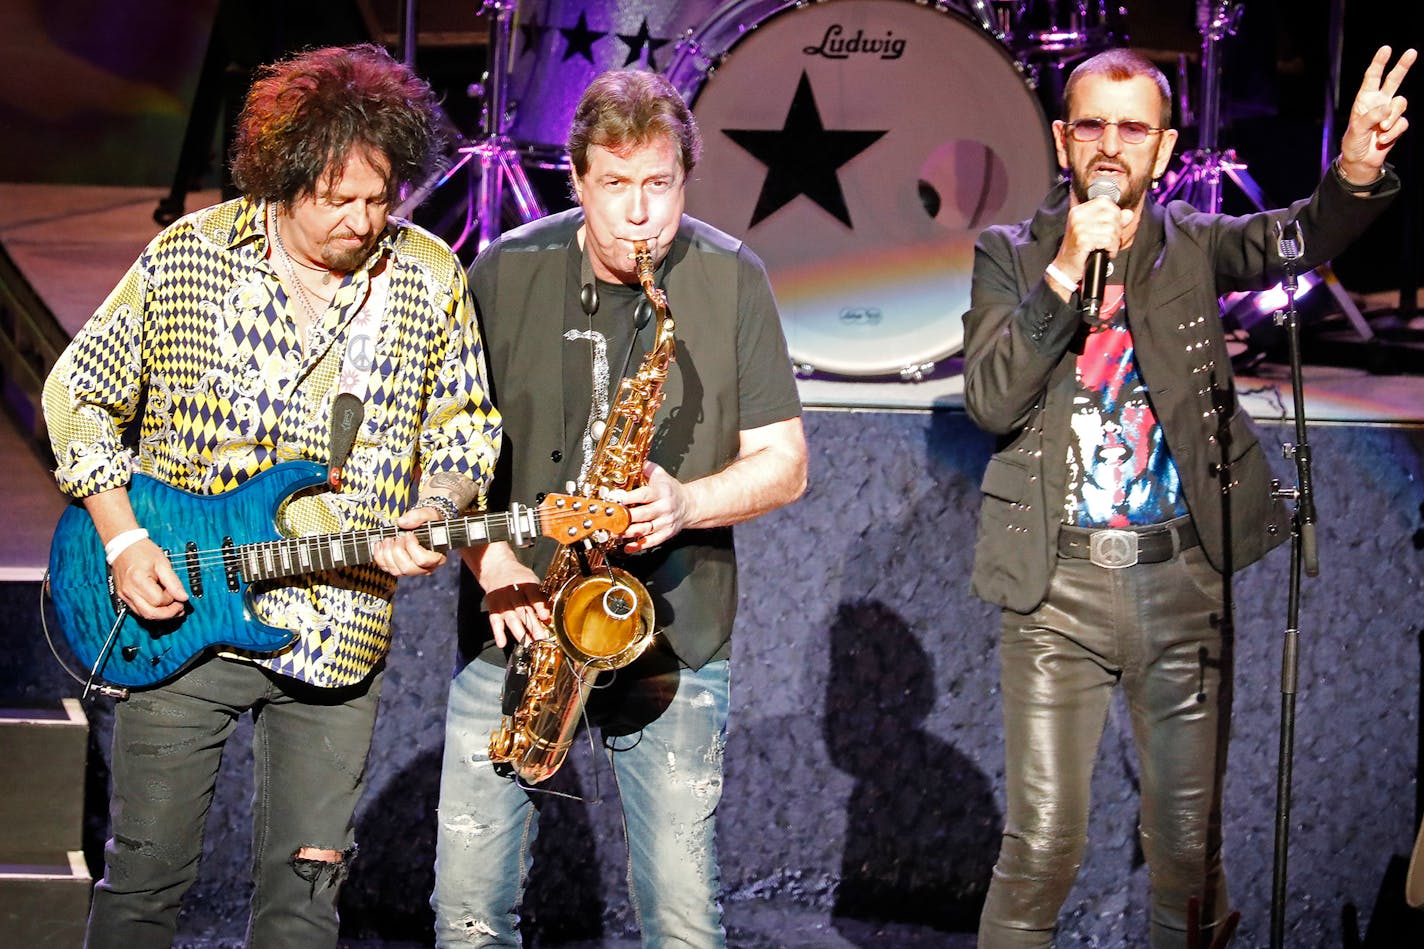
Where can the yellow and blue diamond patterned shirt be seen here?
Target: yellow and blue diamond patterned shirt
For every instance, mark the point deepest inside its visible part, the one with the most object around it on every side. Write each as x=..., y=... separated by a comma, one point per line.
x=199, y=336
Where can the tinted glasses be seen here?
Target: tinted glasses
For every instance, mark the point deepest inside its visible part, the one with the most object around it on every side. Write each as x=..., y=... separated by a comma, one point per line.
x=1130, y=131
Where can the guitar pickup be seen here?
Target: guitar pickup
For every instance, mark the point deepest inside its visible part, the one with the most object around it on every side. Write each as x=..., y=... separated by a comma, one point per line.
x=195, y=569
x=231, y=566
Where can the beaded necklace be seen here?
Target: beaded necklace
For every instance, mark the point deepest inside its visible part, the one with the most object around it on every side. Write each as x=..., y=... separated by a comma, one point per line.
x=303, y=299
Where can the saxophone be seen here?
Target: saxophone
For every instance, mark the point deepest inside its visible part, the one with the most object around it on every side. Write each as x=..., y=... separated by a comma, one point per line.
x=602, y=615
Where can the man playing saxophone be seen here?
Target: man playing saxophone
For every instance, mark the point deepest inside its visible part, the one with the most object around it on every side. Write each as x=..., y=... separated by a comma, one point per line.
x=565, y=318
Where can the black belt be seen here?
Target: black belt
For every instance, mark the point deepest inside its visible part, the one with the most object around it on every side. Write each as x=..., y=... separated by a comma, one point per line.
x=1113, y=548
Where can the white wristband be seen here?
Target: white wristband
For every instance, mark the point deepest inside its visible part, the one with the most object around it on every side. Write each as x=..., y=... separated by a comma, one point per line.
x=122, y=542
x=1060, y=278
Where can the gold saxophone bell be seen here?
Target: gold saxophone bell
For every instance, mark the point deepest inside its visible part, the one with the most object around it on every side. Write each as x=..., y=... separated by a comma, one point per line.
x=603, y=621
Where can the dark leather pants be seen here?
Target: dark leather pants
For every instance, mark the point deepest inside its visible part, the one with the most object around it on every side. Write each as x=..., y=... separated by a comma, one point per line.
x=1160, y=631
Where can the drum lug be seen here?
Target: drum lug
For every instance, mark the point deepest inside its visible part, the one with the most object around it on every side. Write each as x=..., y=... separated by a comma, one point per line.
x=803, y=370
x=916, y=373
x=1029, y=71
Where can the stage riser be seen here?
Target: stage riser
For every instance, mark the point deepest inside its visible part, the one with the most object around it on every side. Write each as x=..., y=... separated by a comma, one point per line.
x=42, y=805
x=864, y=758
x=44, y=884
x=46, y=910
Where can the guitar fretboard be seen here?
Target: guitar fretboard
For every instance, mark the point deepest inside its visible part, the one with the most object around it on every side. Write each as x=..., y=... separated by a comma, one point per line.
x=294, y=555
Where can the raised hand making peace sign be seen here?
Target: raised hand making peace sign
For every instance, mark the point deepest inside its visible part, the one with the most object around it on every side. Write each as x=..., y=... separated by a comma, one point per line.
x=1376, y=119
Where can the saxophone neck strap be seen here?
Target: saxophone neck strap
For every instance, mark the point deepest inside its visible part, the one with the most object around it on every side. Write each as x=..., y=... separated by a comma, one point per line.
x=588, y=301
x=588, y=286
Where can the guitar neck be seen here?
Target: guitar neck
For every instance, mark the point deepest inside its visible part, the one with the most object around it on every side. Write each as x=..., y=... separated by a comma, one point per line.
x=296, y=555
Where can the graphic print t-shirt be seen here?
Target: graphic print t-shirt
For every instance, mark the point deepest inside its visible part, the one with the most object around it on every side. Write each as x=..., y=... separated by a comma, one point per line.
x=1120, y=471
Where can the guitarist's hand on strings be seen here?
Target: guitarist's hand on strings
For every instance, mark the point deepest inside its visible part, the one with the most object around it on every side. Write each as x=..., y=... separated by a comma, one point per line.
x=514, y=597
x=403, y=555
x=144, y=579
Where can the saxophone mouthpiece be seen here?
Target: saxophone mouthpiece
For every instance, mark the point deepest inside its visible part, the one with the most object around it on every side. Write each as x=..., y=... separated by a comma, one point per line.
x=643, y=262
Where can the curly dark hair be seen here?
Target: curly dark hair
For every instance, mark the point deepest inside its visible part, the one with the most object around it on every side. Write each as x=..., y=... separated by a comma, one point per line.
x=628, y=107
x=306, y=114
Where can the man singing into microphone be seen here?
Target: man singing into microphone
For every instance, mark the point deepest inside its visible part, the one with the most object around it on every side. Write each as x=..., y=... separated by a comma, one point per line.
x=1129, y=485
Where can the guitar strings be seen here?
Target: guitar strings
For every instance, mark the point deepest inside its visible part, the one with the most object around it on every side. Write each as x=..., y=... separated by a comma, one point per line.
x=210, y=556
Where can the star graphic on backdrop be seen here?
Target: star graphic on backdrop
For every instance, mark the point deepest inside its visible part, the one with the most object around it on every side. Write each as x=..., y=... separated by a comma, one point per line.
x=637, y=41
x=580, y=39
x=802, y=158
x=532, y=30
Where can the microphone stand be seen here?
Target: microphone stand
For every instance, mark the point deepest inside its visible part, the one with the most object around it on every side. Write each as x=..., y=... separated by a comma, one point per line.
x=1303, y=556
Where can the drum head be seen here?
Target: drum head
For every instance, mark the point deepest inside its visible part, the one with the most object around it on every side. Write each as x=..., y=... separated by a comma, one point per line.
x=859, y=147
x=561, y=45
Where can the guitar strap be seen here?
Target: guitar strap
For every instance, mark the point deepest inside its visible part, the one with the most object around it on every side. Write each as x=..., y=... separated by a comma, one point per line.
x=348, y=407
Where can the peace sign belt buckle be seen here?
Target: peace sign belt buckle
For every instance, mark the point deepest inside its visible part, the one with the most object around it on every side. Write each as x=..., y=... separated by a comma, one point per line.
x=1113, y=549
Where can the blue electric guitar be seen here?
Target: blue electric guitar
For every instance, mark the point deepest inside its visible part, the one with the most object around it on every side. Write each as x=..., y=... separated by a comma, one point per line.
x=221, y=544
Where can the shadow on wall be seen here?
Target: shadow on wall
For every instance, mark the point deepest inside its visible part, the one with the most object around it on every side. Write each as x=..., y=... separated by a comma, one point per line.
x=1392, y=921
x=396, y=864
x=566, y=897
x=922, y=827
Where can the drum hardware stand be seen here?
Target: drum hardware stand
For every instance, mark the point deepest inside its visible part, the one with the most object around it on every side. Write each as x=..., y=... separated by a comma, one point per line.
x=1303, y=556
x=1199, y=179
x=497, y=158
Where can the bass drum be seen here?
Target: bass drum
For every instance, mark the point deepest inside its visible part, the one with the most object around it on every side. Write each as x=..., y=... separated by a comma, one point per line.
x=859, y=147
x=561, y=45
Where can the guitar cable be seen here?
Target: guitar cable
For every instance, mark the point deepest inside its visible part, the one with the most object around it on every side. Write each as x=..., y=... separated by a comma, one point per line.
x=91, y=684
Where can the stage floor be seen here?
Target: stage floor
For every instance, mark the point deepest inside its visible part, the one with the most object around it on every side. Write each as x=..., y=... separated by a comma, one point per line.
x=73, y=243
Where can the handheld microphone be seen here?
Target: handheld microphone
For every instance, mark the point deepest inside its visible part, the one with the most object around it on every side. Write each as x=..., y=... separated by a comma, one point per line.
x=1095, y=274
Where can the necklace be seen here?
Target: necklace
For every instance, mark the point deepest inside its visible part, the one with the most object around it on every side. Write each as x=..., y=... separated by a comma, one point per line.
x=324, y=271
x=313, y=317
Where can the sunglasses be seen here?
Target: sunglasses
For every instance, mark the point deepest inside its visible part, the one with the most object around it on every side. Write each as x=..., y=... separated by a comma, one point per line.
x=1130, y=131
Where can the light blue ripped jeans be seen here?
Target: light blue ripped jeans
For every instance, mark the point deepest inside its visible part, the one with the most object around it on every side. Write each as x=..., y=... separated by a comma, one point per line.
x=669, y=778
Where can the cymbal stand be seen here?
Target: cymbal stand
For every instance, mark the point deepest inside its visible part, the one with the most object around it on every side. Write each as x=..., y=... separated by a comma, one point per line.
x=1199, y=179
x=492, y=158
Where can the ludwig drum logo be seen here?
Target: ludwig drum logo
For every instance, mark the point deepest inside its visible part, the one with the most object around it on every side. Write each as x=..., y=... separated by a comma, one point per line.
x=860, y=316
x=836, y=45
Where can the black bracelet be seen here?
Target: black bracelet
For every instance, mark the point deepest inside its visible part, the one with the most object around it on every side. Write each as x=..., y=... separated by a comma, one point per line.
x=446, y=507
x=1350, y=186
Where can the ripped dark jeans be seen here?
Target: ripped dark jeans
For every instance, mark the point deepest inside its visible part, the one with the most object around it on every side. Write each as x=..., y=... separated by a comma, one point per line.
x=309, y=756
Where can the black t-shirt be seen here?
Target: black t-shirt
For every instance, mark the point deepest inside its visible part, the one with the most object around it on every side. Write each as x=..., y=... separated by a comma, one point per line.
x=600, y=349
x=731, y=375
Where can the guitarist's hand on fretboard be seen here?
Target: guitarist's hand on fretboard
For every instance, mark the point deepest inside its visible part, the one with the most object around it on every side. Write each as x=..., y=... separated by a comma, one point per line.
x=402, y=555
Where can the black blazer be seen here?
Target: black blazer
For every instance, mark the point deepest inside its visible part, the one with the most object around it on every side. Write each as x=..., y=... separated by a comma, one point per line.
x=1019, y=383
